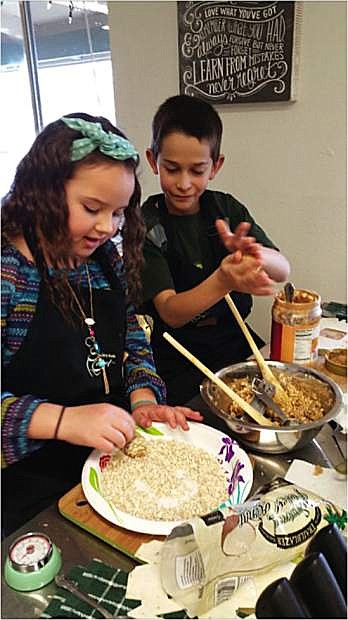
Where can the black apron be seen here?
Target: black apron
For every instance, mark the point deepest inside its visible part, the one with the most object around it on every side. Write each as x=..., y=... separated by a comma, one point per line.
x=51, y=364
x=217, y=340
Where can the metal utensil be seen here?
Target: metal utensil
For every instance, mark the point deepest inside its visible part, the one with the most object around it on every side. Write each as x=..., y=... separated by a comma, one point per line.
x=265, y=392
x=68, y=584
x=341, y=467
x=289, y=291
x=253, y=413
x=264, y=367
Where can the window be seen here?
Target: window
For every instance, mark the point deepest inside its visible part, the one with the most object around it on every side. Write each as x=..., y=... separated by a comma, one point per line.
x=55, y=59
x=17, y=126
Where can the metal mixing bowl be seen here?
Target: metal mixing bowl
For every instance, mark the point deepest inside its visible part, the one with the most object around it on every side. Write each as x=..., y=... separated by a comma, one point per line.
x=258, y=438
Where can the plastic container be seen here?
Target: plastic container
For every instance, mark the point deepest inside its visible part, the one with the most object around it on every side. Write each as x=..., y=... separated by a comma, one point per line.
x=206, y=559
x=295, y=327
x=336, y=361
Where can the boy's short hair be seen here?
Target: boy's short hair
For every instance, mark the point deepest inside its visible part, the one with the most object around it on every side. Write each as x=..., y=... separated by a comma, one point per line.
x=190, y=116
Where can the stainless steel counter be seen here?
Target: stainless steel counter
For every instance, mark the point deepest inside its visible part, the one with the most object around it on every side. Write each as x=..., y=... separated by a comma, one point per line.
x=79, y=547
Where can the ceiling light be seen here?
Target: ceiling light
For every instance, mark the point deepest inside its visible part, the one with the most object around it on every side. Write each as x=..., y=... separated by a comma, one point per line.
x=96, y=7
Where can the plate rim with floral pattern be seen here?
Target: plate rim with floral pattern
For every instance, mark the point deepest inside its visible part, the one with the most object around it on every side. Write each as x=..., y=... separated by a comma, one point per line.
x=232, y=458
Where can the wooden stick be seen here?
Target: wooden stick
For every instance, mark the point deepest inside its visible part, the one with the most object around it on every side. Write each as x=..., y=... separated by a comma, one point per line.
x=265, y=369
x=256, y=415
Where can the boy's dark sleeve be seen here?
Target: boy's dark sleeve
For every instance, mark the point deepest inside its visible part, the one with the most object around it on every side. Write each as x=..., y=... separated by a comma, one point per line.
x=156, y=276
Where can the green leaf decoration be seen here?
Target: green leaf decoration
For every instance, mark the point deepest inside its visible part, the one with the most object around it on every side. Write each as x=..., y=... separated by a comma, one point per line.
x=117, y=515
x=94, y=480
x=336, y=517
x=150, y=431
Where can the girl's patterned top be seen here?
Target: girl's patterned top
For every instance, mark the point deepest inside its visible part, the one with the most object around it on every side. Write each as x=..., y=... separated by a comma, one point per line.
x=20, y=282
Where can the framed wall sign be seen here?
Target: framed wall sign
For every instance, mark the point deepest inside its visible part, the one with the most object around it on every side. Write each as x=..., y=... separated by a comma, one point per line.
x=239, y=52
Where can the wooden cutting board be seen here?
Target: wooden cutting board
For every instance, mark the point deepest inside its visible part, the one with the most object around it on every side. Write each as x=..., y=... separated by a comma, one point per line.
x=74, y=506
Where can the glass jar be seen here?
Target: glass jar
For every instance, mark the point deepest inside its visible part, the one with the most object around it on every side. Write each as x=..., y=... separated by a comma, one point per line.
x=295, y=327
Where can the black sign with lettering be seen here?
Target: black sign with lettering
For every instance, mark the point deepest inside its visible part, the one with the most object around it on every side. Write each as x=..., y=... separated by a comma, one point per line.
x=238, y=52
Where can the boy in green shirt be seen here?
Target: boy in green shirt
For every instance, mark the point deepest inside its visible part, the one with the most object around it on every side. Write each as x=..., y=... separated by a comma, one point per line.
x=200, y=245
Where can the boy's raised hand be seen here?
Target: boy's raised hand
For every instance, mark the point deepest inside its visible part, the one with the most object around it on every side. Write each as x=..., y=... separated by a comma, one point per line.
x=243, y=269
x=240, y=245
x=244, y=273
x=238, y=240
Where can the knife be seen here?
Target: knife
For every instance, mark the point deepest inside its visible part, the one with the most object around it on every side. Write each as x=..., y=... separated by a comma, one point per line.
x=68, y=584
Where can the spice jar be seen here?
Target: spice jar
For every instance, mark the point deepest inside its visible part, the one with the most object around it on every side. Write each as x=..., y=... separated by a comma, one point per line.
x=295, y=327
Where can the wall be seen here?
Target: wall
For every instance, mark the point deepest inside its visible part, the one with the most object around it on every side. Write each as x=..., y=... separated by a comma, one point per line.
x=286, y=162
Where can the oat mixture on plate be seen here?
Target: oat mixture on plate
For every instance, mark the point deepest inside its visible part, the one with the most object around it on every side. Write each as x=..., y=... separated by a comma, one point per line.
x=174, y=480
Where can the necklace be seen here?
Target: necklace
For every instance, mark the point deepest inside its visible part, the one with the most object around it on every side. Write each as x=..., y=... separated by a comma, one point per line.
x=96, y=362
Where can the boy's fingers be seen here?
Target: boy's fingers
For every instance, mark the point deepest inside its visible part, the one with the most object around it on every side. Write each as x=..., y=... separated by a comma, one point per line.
x=235, y=258
x=264, y=292
x=222, y=226
x=242, y=229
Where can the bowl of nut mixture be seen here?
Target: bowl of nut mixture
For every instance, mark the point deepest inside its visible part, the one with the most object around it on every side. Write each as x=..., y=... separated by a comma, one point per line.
x=312, y=400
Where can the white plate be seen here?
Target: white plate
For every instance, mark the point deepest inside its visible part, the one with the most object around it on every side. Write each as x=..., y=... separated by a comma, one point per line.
x=234, y=461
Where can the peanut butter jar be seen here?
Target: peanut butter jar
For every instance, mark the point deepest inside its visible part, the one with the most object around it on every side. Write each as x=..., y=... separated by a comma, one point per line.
x=295, y=327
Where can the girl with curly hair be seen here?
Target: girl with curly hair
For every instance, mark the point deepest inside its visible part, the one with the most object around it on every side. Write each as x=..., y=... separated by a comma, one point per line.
x=74, y=358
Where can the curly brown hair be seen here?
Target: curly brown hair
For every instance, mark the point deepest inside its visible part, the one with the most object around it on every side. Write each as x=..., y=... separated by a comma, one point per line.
x=36, y=207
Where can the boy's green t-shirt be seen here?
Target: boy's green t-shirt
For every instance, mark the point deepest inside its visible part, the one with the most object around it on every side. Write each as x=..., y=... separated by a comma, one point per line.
x=181, y=251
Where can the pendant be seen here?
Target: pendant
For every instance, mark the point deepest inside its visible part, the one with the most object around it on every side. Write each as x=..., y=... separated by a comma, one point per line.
x=97, y=362
x=89, y=321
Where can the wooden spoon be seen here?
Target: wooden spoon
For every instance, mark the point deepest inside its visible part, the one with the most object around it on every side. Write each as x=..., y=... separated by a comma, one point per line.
x=256, y=415
x=280, y=394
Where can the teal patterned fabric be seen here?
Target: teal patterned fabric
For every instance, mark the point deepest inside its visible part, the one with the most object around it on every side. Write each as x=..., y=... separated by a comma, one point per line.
x=106, y=584
x=95, y=137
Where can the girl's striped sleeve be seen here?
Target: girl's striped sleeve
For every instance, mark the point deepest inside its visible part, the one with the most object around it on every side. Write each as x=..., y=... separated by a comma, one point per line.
x=16, y=412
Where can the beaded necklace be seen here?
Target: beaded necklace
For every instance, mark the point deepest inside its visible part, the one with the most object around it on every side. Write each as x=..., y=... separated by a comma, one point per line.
x=96, y=362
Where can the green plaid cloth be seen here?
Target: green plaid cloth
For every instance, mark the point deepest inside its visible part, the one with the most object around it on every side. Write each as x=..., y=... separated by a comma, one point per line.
x=106, y=584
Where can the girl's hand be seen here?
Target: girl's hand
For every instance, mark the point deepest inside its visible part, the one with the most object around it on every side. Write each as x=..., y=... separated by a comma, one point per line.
x=144, y=415
x=238, y=240
x=102, y=426
x=244, y=273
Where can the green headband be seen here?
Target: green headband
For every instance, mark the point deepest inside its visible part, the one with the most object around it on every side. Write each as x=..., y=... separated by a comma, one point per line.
x=108, y=143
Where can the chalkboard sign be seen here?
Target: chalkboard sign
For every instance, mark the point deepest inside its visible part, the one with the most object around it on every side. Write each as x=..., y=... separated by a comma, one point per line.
x=239, y=52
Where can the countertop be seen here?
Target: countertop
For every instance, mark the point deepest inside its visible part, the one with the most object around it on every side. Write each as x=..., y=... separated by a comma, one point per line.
x=79, y=547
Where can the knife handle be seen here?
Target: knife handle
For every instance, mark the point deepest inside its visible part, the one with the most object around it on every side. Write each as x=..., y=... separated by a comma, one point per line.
x=330, y=542
x=316, y=584
x=280, y=600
